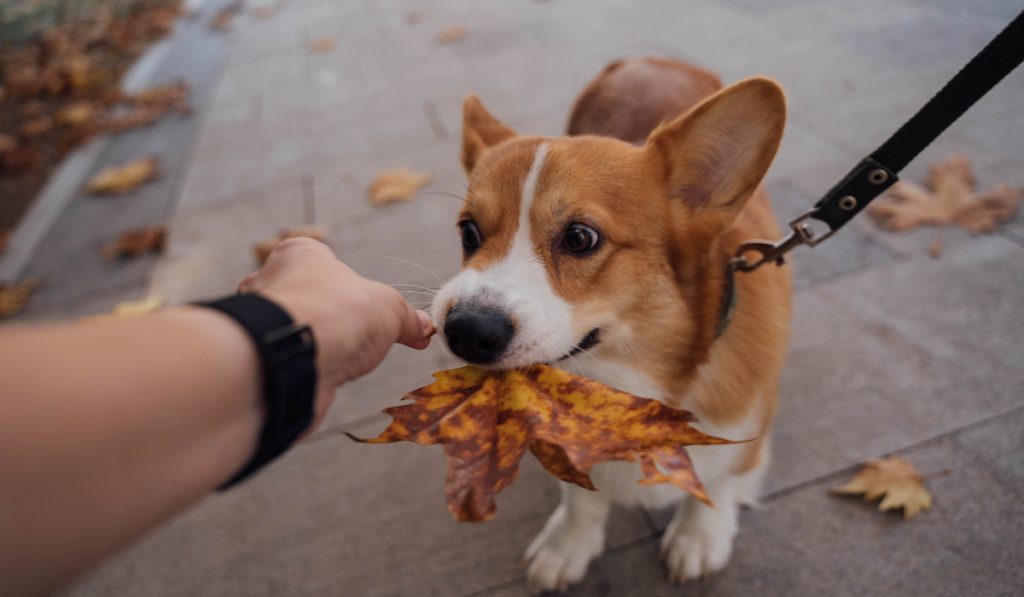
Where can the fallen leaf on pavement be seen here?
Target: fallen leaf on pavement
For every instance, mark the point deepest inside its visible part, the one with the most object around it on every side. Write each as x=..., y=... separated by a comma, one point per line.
x=77, y=114
x=399, y=184
x=263, y=11
x=452, y=34
x=140, y=307
x=950, y=199
x=124, y=178
x=222, y=20
x=133, y=243
x=322, y=45
x=414, y=17
x=127, y=309
x=487, y=420
x=895, y=481
x=36, y=127
x=14, y=297
x=263, y=249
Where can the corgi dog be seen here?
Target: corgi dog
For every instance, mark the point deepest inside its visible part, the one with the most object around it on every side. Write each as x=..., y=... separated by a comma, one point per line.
x=607, y=252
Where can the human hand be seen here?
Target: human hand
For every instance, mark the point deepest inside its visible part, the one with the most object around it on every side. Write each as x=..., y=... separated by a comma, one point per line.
x=355, y=321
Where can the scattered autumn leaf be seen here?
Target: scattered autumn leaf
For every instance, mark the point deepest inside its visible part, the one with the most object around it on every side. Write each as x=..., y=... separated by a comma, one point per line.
x=895, y=481
x=414, y=17
x=36, y=127
x=950, y=199
x=263, y=249
x=263, y=11
x=322, y=45
x=222, y=20
x=126, y=177
x=127, y=309
x=14, y=297
x=487, y=420
x=133, y=243
x=77, y=114
x=398, y=184
x=452, y=34
x=140, y=307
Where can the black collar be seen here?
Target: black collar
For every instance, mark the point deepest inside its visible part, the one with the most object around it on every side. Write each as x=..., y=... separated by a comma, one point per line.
x=728, y=301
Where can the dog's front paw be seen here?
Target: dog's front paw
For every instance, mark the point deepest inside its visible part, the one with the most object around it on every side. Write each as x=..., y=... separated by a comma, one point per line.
x=693, y=553
x=559, y=556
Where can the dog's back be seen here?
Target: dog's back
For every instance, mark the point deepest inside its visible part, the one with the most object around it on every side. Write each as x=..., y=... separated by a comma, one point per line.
x=631, y=97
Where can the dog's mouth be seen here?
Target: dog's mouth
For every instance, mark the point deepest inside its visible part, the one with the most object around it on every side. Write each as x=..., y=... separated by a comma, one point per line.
x=589, y=341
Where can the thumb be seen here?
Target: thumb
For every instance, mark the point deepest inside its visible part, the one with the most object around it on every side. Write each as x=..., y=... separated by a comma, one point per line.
x=416, y=330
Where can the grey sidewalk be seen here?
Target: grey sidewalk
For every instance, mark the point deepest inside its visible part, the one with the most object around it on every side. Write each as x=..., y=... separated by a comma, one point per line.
x=892, y=351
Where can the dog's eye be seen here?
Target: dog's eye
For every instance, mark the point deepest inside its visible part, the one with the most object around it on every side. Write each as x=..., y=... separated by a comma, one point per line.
x=580, y=238
x=471, y=239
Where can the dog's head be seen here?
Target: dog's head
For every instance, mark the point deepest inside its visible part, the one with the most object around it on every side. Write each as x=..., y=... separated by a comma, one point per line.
x=579, y=241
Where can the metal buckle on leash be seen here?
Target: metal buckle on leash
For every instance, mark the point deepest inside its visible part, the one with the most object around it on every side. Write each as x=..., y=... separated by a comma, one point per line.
x=801, y=233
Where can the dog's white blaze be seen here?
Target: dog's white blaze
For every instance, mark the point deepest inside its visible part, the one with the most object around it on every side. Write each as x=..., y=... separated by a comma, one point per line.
x=519, y=285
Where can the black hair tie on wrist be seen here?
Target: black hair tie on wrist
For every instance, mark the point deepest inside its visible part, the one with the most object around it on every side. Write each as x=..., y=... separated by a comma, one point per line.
x=287, y=353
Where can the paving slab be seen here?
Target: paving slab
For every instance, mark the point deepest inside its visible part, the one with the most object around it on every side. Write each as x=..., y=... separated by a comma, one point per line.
x=336, y=517
x=999, y=444
x=814, y=543
x=209, y=252
x=897, y=354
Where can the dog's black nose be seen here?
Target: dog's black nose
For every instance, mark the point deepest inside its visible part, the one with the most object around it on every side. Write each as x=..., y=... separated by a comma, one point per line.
x=478, y=334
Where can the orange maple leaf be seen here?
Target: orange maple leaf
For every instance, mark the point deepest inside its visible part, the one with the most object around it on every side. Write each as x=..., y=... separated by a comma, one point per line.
x=895, y=481
x=486, y=420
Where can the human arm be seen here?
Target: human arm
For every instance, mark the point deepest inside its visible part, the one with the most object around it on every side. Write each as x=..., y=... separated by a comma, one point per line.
x=107, y=428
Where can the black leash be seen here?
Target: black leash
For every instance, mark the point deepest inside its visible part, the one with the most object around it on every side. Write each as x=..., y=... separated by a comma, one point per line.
x=877, y=172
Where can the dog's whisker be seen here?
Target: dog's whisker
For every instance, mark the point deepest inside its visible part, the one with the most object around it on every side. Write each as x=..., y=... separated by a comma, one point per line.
x=457, y=178
x=416, y=286
x=406, y=261
x=460, y=198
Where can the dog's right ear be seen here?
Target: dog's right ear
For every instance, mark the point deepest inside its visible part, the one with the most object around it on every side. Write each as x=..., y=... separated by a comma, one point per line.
x=480, y=130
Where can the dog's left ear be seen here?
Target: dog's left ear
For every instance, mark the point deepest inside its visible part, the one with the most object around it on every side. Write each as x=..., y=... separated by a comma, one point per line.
x=715, y=155
x=480, y=130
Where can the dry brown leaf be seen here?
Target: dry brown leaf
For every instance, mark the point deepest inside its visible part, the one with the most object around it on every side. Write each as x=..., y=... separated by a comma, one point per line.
x=414, y=17
x=14, y=297
x=133, y=243
x=222, y=20
x=127, y=309
x=264, y=11
x=322, y=45
x=77, y=114
x=452, y=34
x=36, y=127
x=126, y=177
x=150, y=105
x=140, y=307
x=398, y=184
x=895, y=481
x=487, y=420
x=263, y=249
x=951, y=199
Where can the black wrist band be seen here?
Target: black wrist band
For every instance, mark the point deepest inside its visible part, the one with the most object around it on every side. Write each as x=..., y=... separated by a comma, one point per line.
x=287, y=355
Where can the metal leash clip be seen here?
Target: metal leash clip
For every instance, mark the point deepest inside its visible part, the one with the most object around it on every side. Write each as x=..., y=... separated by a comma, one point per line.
x=801, y=233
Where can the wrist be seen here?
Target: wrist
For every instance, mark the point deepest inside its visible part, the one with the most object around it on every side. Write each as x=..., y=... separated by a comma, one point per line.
x=286, y=353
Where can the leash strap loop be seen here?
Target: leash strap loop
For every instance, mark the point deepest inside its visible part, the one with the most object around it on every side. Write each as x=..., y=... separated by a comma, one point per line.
x=879, y=171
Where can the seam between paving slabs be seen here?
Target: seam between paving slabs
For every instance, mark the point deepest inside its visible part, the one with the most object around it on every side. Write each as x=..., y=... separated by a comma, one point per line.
x=984, y=466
